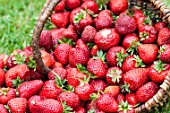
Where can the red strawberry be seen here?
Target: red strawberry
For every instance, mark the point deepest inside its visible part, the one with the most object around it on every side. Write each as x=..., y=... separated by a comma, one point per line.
x=60, y=6
x=132, y=62
x=17, y=105
x=93, y=51
x=90, y=6
x=88, y=34
x=97, y=66
x=131, y=99
x=136, y=78
x=116, y=55
x=125, y=24
x=163, y=36
x=61, y=53
x=104, y=20
x=47, y=106
x=146, y=92
x=30, y=88
x=138, y=14
x=98, y=85
x=59, y=71
x=57, y=64
x=36, y=75
x=80, y=44
x=2, y=77
x=86, y=0
x=6, y=94
x=118, y=6
x=3, y=58
x=3, y=109
x=114, y=75
x=45, y=40
x=80, y=110
x=113, y=90
x=120, y=98
x=60, y=19
x=72, y=100
x=106, y=38
x=46, y=58
x=125, y=107
x=147, y=52
x=158, y=71
x=160, y=25
x=72, y=4
x=107, y=103
x=165, y=53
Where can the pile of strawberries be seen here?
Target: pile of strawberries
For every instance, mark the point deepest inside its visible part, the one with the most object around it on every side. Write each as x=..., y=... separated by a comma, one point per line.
x=104, y=58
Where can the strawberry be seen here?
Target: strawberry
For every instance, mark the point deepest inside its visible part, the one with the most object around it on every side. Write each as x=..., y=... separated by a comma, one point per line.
x=36, y=75
x=91, y=6
x=30, y=88
x=125, y=24
x=47, y=106
x=72, y=4
x=146, y=92
x=80, y=44
x=88, y=34
x=10, y=62
x=2, y=77
x=136, y=78
x=72, y=100
x=163, y=36
x=118, y=6
x=86, y=0
x=120, y=98
x=80, y=110
x=3, y=58
x=57, y=64
x=106, y=38
x=97, y=66
x=45, y=40
x=160, y=25
x=60, y=7
x=107, y=103
x=6, y=94
x=103, y=20
x=98, y=85
x=17, y=105
x=93, y=51
x=164, y=53
x=158, y=71
x=125, y=107
x=61, y=53
x=132, y=62
x=60, y=19
x=46, y=58
x=131, y=99
x=113, y=90
x=59, y=71
x=116, y=55
x=138, y=14
x=3, y=109
x=114, y=75
x=147, y=52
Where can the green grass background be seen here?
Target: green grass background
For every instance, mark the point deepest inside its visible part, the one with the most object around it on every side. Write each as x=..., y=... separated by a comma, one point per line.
x=17, y=21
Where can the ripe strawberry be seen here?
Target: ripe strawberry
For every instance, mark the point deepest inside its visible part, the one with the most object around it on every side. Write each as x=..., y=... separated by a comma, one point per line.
x=80, y=110
x=57, y=64
x=125, y=107
x=125, y=24
x=146, y=92
x=97, y=66
x=47, y=106
x=46, y=58
x=17, y=105
x=60, y=19
x=147, y=52
x=107, y=103
x=30, y=88
x=131, y=99
x=3, y=109
x=60, y=7
x=2, y=77
x=158, y=71
x=106, y=38
x=120, y=98
x=35, y=75
x=61, y=53
x=10, y=62
x=80, y=44
x=59, y=71
x=6, y=94
x=113, y=90
x=116, y=55
x=163, y=36
x=114, y=75
x=72, y=100
x=136, y=78
x=93, y=51
x=104, y=20
x=88, y=34
x=86, y=0
x=138, y=14
x=91, y=6
x=160, y=25
x=164, y=53
x=132, y=62
x=98, y=85
x=118, y=6
x=72, y=4
x=45, y=40
x=3, y=58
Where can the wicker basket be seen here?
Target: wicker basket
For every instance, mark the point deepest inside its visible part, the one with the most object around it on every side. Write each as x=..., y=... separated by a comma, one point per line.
x=156, y=5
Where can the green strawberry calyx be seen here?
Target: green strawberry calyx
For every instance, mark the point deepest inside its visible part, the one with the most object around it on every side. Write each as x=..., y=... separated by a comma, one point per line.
x=133, y=47
x=125, y=88
x=139, y=62
x=4, y=91
x=161, y=50
x=79, y=16
x=147, y=20
x=59, y=81
x=124, y=106
x=101, y=55
x=121, y=56
x=66, y=40
x=95, y=96
x=159, y=66
x=91, y=111
x=115, y=74
x=66, y=108
x=143, y=36
x=16, y=82
x=102, y=4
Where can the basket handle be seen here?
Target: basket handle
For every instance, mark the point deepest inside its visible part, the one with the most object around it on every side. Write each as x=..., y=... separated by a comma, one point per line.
x=46, y=12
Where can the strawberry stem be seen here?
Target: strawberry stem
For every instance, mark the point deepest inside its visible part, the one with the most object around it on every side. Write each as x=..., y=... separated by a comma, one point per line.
x=17, y=82
x=66, y=108
x=79, y=16
x=100, y=55
x=124, y=106
x=133, y=47
x=115, y=75
x=120, y=57
x=125, y=88
x=102, y=4
x=139, y=62
x=159, y=66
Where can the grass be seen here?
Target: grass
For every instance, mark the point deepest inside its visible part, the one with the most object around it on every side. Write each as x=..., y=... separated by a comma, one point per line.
x=17, y=20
